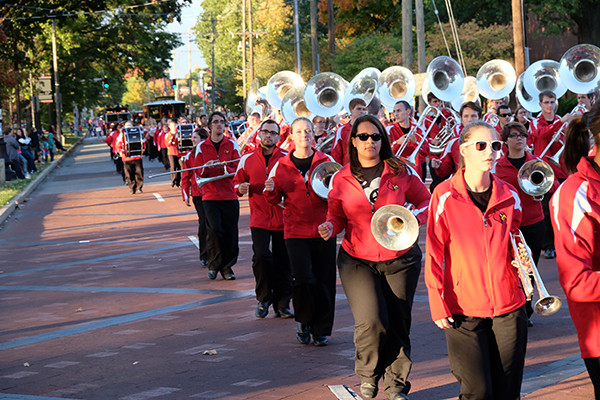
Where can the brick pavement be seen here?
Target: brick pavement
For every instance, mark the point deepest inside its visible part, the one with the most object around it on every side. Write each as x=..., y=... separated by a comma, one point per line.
x=103, y=298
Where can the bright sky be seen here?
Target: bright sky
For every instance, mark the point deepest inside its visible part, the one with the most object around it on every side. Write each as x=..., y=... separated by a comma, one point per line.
x=189, y=16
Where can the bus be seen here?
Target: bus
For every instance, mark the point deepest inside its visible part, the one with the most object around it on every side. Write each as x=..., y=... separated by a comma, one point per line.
x=116, y=114
x=164, y=108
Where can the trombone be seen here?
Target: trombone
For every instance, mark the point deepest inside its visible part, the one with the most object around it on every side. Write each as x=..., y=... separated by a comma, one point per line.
x=578, y=109
x=546, y=305
x=412, y=159
x=193, y=168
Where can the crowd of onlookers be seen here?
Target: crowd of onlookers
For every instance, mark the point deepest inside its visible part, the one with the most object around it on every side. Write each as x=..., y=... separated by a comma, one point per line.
x=22, y=150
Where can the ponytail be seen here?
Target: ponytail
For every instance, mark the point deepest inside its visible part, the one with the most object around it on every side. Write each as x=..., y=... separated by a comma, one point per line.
x=578, y=138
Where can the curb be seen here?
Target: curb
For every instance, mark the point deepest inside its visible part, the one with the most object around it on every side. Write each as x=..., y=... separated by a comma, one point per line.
x=7, y=210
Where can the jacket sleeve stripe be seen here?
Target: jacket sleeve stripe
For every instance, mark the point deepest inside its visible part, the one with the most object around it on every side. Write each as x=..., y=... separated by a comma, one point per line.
x=440, y=207
x=581, y=206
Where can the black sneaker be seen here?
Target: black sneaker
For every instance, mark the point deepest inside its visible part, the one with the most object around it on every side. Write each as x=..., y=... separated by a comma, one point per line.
x=320, y=340
x=212, y=274
x=550, y=253
x=228, y=274
x=303, y=333
x=262, y=309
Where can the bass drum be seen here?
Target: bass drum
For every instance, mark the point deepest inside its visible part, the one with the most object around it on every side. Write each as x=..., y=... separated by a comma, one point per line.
x=184, y=137
x=134, y=142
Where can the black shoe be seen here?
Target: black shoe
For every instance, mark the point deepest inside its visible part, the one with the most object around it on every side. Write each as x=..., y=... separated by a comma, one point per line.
x=284, y=313
x=132, y=191
x=368, y=390
x=212, y=274
x=140, y=190
x=228, y=274
x=550, y=253
x=320, y=340
x=529, y=323
x=262, y=309
x=303, y=334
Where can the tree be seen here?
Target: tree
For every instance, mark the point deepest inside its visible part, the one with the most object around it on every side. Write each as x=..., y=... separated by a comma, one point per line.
x=581, y=16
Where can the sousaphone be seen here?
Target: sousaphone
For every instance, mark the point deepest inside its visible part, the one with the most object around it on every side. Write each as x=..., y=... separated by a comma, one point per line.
x=279, y=84
x=363, y=86
x=396, y=83
x=445, y=78
x=324, y=94
x=395, y=227
x=543, y=75
x=496, y=79
x=579, y=69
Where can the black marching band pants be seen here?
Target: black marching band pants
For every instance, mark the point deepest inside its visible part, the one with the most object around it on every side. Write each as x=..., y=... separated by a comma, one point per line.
x=222, y=233
x=381, y=297
x=271, y=268
x=312, y=263
x=201, y=227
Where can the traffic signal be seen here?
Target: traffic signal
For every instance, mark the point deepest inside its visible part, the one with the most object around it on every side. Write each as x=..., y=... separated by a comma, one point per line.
x=174, y=83
x=105, y=83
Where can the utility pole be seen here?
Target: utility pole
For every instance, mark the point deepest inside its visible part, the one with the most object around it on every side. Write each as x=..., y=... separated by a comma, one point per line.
x=331, y=27
x=407, y=58
x=251, y=40
x=32, y=102
x=313, y=36
x=244, y=50
x=174, y=76
x=190, y=68
x=297, y=38
x=420, y=15
x=58, y=102
x=201, y=81
x=519, y=36
x=212, y=73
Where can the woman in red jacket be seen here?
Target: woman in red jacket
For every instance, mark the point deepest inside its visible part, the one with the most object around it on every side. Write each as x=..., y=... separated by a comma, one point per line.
x=575, y=210
x=474, y=291
x=312, y=260
x=379, y=283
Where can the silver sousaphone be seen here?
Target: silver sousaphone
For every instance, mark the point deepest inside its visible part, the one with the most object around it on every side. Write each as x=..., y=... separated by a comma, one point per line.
x=528, y=102
x=363, y=86
x=293, y=106
x=279, y=84
x=320, y=179
x=396, y=83
x=496, y=79
x=470, y=92
x=543, y=75
x=579, y=69
x=257, y=100
x=395, y=227
x=324, y=94
x=445, y=78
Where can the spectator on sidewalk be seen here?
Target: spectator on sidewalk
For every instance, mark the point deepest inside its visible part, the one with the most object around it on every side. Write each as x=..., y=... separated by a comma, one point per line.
x=12, y=152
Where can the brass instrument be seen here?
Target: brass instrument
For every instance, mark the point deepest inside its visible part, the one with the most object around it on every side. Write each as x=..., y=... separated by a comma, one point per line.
x=256, y=101
x=470, y=92
x=396, y=83
x=555, y=159
x=324, y=94
x=526, y=100
x=579, y=69
x=279, y=84
x=395, y=227
x=193, y=168
x=293, y=105
x=496, y=79
x=546, y=305
x=203, y=181
x=535, y=178
x=412, y=159
x=543, y=75
x=363, y=86
x=320, y=179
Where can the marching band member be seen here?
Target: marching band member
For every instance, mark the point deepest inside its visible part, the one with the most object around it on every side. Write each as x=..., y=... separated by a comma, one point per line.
x=111, y=141
x=402, y=127
x=339, y=150
x=379, y=283
x=504, y=116
x=576, y=216
x=190, y=189
x=475, y=294
x=220, y=202
x=541, y=131
x=132, y=165
x=438, y=125
x=586, y=100
x=251, y=140
x=492, y=113
x=160, y=140
x=514, y=135
x=271, y=268
x=173, y=154
x=522, y=116
x=285, y=141
x=312, y=260
x=448, y=163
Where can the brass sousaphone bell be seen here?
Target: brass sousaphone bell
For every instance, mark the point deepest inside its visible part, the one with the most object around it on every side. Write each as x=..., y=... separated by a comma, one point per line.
x=528, y=102
x=395, y=227
x=320, y=179
x=293, y=106
x=543, y=75
x=396, y=83
x=579, y=69
x=279, y=84
x=445, y=78
x=363, y=86
x=535, y=177
x=324, y=94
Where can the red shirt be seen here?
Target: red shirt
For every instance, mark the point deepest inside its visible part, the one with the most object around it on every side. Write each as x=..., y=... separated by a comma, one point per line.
x=189, y=187
x=339, y=149
x=220, y=189
x=540, y=134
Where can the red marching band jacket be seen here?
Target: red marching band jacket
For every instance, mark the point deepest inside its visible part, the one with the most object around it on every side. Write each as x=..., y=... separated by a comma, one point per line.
x=575, y=211
x=350, y=209
x=339, y=150
x=468, y=267
x=252, y=169
x=532, y=209
x=189, y=187
x=172, y=143
x=540, y=134
x=395, y=133
x=220, y=189
x=120, y=147
x=304, y=210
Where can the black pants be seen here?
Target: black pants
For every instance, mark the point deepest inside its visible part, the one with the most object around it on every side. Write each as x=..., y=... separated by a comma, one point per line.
x=165, y=158
x=134, y=174
x=312, y=262
x=271, y=268
x=534, y=235
x=487, y=355
x=435, y=179
x=16, y=166
x=222, y=233
x=201, y=227
x=174, y=166
x=593, y=368
x=548, y=242
x=381, y=297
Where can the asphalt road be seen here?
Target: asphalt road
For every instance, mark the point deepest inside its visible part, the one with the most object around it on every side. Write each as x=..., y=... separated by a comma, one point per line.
x=102, y=296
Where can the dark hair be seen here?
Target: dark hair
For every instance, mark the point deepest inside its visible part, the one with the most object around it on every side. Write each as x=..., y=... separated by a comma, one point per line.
x=354, y=102
x=503, y=107
x=577, y=142
x=406, y=104
x=547, y=93
x=203, y=115
x=270, y=121
x=203, y=133
x=431, y=96
x=385, y=152
x=473, y=106
x=512, y=125
x=216, y=113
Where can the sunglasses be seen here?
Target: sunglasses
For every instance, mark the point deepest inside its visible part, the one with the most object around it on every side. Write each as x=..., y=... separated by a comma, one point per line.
x=481, y=145
x=505, y=115
x=363, y=137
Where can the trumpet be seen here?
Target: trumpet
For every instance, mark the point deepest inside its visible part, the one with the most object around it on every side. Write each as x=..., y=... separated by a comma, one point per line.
x=546, y=305
x=193, y=168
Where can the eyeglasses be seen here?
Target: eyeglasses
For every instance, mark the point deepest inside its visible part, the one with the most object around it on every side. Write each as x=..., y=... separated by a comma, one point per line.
x=363, y=137
x=481, y=145
x=267, y=132
x=218, y=121
x=517, y=135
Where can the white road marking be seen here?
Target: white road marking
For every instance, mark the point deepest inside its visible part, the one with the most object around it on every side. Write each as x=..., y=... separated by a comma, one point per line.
x=158, y=197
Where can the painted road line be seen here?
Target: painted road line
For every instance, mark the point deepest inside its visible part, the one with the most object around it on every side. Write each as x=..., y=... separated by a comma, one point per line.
x=194, y=240
x=119, y=289
x=158, y=197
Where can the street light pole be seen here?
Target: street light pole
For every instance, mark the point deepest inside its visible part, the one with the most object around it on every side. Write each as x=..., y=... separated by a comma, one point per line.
x=57, y=99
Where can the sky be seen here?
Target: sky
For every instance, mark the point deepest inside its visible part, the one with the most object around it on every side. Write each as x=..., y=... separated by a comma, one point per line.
x=189, y=16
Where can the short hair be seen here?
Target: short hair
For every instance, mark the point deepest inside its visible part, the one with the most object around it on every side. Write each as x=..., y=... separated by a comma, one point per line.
x=213, y=115
x=355, y=102
x=513, y=125
x=406, y=104
x=255, y=114
x=431, y=96
x=270, y=121
x=471, y=105
x=547, y=93
x=503, y=107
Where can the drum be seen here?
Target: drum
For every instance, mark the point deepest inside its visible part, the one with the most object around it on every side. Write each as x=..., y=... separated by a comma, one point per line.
x=184, y=137
x=134, y=142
